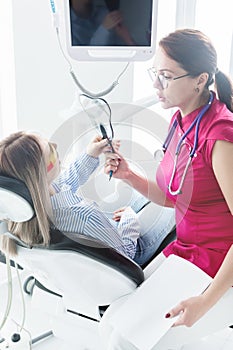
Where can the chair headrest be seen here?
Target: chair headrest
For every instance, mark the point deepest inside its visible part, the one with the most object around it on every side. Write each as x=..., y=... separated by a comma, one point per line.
x=15, y=200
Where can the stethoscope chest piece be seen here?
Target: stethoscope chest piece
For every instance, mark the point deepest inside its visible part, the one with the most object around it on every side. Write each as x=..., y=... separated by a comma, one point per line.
x=158, y=156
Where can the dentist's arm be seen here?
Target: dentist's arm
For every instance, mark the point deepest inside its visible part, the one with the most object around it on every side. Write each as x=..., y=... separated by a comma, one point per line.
x=148, y=188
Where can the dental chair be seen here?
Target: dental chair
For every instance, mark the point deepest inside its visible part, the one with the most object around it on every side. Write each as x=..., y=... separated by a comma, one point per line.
x=74, y=279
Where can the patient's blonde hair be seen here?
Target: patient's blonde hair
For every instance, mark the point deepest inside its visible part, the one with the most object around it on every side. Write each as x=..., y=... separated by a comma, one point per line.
x=21, y=157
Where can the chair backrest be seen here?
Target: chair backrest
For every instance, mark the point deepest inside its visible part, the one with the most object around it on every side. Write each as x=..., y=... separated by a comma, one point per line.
x=85, y=272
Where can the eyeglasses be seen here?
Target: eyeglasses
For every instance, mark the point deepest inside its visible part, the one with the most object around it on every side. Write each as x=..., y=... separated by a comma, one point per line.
x=52, y=157
x=163, y=79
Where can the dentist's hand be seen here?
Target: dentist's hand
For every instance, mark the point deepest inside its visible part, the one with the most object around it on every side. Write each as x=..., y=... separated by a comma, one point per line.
x=116, y=163
x=189, y=311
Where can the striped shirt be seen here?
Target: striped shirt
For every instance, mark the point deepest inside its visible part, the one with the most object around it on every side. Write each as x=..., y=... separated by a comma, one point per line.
x=75, y=214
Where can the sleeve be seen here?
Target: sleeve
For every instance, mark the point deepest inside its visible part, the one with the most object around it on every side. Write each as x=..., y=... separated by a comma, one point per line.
x=221, y=130
x=129, y=230
x=77, y=173
x=96, y=224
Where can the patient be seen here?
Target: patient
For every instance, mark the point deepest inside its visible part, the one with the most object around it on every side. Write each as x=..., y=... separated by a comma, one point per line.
x=35, y=161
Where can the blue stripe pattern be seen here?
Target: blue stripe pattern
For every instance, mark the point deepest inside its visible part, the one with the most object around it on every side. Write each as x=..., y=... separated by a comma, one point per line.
x=75, y=214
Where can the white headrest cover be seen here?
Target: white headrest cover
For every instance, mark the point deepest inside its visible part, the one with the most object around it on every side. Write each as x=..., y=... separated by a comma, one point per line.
x=14, y=207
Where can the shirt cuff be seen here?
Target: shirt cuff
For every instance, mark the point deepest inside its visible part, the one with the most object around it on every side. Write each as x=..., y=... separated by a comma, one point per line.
x=89, y=161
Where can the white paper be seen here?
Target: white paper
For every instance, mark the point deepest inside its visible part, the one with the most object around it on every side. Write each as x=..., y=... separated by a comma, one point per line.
x=221, y=340
x=141, y=319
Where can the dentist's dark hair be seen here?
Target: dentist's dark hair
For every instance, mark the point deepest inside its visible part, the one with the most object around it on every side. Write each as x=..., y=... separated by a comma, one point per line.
x=195, y=53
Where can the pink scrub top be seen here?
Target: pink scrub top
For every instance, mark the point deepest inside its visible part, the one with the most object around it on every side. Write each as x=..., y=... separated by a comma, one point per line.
x=204, y=224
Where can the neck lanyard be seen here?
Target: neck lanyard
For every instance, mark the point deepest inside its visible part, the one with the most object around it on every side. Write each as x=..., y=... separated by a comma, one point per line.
x=195, y=123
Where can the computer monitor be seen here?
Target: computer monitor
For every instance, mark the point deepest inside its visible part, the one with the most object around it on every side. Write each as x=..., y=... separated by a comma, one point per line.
x=111, y=30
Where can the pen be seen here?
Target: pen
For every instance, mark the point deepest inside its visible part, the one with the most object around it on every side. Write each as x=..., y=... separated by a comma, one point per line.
x=110, y=175
x=105, y=136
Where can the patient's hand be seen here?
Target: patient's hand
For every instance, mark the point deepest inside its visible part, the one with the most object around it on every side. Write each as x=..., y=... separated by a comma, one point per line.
x=118, y=213
x=112, y=19
x=99, y=145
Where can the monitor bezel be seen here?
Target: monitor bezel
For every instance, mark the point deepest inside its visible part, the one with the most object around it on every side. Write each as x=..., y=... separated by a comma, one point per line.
x=111, y=53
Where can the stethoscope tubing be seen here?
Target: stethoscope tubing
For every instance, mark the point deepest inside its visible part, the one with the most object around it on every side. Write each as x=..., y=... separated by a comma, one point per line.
x=180, y=143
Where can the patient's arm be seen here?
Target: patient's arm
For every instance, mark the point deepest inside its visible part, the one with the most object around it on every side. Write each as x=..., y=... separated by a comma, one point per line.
x=129, y=230
x=76, y=174
x=88, y=219
x=85, y=164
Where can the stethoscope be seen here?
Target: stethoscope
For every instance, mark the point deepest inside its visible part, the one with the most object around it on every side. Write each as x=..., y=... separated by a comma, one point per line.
x=181, y=142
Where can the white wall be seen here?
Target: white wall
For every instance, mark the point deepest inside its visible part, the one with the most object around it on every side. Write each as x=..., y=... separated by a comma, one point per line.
x=8, y=118
x=45, y=91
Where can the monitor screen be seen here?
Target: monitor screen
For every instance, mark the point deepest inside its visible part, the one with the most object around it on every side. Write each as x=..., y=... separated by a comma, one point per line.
x=111, y=29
